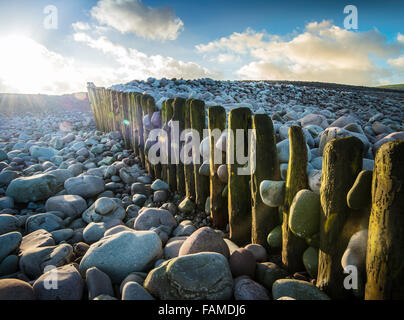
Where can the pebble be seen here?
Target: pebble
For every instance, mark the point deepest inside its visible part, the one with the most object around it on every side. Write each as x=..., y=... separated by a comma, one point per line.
x=14, y=289
x=98, y=283
x=9, y=243
x=71, y=205
x=297, y=289
x=133, y=251
x=134, y=291
x=201, y=276
x=242, y=263
x=248, y=289
x=63, y=283
x=205, y=240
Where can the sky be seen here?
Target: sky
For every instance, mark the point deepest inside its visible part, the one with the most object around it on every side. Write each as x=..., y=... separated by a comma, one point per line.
x=56, y=47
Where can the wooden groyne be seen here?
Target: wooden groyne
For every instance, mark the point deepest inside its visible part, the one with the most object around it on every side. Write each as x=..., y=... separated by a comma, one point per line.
x=239, y=204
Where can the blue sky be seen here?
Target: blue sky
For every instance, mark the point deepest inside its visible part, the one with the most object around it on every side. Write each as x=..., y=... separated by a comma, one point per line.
x=112, y=41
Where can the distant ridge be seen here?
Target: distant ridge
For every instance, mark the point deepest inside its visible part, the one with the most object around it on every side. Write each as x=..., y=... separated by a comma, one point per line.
x=393, y=86
x=12, y=103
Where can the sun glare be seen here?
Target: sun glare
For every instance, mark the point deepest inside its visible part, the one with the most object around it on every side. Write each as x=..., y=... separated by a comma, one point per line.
x=25, y=64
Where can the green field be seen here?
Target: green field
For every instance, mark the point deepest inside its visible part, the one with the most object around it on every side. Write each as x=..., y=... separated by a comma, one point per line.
x=394, y=86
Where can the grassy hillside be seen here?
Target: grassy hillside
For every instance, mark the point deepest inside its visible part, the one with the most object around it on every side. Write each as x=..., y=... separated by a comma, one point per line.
x=19, y=103
x=394, y=86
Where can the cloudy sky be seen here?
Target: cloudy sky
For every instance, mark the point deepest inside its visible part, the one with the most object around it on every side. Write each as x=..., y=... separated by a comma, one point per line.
x=59, y=49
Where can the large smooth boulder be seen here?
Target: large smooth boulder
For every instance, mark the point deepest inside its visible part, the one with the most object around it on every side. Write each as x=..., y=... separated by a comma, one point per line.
x=63, y=283
x=14, y=289
x=205, y=240
x=134, y=291
x=8, y=223
x=242, y=263
x=46, y=221
x=130, y=175
x=85, y=186
x=247, y=289
x=104, y=210
x=120, y=254
x=9, y=242
x=304, y=217
x=37, y=239
x=297, y=289
x=268, y=272
x=154, y=218
x=273, y=193
x=71, y=205
x=43, y=153
x=34, y=261
x=201, y=276
x=98, y=283
x=31, y=189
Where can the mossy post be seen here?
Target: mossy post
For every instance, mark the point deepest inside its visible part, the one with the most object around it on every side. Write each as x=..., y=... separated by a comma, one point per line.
x=198, y=123
x=132, y=118
x=139, y=125
x=126, y=132
x=171, y=168
x=218, y=210
x=164, y=167
x=152, y=108
x=265, y=166
x=342, y=162
x=104, y=100
x=385, y=252
x=189, y=168
x=293, y=247
x=95, y=105
x=179, y=116
x=239, y=191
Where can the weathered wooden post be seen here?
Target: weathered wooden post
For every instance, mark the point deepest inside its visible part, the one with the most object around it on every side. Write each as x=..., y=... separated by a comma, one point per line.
x=95, y=105
x=171, y=167
x=265, y=166
x=164, y=166
x=126, y=125
x=293, y=247
x=218, y=210
x=139, y=125
x=132, y=120
x=189, y=168
x=103, y=112
x=239, y=190
x=179, y=117
x=146, y=130
x=198, y=123
x=152, y=108
x=342, y=162
x=385, y=252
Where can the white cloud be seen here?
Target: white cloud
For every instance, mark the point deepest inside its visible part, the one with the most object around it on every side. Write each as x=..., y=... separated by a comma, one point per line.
x=322, y=52
x=226, y=58
x=132, y=16
x=81, y=26
x=400, y=37
x=237, y=42
x=133, y=64
x=397, y=63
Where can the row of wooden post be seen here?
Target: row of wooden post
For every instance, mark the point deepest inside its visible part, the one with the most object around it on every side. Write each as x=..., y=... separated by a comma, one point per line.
x=249, y=219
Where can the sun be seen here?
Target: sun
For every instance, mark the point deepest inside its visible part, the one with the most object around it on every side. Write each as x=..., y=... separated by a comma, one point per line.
x=26, y=64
